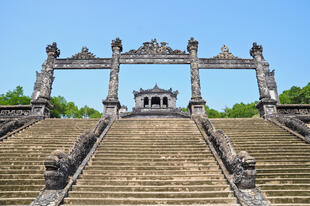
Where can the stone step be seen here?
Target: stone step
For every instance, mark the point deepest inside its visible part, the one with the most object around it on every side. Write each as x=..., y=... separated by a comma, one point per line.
x=98, y=171
x=22, y=156
x=18, y=194
x=289, y=199
x=16, y=201
x=141, y=165
x=146, y=195
x=210, y=176
x=148, y=201
x=99, y=188
x=154, y=164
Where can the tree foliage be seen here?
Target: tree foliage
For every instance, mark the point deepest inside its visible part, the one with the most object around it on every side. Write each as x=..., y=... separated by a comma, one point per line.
x=15, y=97
x=62, y=108
x=296, y=95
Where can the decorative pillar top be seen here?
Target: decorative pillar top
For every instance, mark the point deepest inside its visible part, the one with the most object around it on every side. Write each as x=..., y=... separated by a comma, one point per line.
x=257, y=50
x=117, y=43
x=192, y=44
x=52, y=50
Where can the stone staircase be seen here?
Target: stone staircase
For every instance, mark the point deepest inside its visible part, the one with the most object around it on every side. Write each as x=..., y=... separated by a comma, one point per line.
x=149, y=162
x=283, y=160
x=22, y=156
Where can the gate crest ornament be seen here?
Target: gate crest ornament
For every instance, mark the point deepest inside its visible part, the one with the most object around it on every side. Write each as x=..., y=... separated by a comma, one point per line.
x=84, y=54
x=153, y=48
x=225, y=54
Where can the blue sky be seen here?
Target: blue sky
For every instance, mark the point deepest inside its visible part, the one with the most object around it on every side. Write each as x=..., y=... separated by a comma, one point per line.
x=282, y=27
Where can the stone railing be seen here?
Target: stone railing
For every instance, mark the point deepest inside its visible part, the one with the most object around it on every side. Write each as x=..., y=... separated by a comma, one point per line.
x=240, y=166
x=10, y=126
x=62, y=170
x=14, y=111
x=294, y=124
x=300, y=111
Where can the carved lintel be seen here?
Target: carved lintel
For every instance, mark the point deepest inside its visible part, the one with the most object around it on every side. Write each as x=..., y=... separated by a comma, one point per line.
x=225, y=54
x=84, y=54
x=153, y=48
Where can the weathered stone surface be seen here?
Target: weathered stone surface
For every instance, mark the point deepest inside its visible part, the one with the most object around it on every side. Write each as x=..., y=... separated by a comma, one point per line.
x=14, y=111
x=257, y=53
x=296, y=125
x=84, y=54
x=153, y=48
x=56, y=173
x=225, y=54
x=11, y=125
x=101, y=125
x=47, y=198
x=155, y=103
x=241, y=165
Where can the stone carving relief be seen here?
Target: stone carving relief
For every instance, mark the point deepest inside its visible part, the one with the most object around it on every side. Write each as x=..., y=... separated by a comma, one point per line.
x=84, y=54
x=294, y=111
x=15, y=112
x=153, y=48
x=225, y=54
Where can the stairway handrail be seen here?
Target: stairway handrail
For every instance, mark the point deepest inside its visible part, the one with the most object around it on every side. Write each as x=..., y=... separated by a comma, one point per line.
x=55, y=197
x=239, y=169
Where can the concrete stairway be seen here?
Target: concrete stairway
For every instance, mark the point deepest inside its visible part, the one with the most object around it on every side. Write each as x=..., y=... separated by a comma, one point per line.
x=22, y=156
x=283, y=160
x=152, y=161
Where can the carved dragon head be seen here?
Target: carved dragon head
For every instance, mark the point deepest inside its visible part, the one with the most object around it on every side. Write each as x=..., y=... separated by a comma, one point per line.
x=56, y=170
x=245, y=172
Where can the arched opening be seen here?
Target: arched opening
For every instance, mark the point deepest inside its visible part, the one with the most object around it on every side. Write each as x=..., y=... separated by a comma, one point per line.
x=146, y=102
x=155, y=102
x=165, y=102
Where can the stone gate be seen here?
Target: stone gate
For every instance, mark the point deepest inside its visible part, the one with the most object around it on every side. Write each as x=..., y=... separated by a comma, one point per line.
x=154, y=53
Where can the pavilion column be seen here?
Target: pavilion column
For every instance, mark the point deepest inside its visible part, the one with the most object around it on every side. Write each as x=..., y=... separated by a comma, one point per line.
x=161, y=102
x=197, y=104
x=111, y=103
x=266, y=105
x=150, y=101
x=42, y=90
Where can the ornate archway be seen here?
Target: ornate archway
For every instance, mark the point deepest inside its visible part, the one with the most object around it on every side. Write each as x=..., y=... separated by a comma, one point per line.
x=155, y=53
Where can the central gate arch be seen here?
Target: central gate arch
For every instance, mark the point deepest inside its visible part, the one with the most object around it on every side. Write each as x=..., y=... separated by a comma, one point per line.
x=155, y=53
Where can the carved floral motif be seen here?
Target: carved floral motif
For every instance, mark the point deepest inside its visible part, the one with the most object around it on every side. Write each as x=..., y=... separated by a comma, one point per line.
x=153, y=48
x=84, y=54
x=225, y=54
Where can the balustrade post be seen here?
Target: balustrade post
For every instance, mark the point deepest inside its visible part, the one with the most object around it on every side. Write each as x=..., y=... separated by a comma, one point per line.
x=111, y=103
x=266, y=105
x=42, y=90
x=196, y=104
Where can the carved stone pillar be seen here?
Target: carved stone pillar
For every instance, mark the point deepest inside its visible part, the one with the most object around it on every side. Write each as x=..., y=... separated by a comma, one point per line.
x=197, y=104
x=266, y=105
x=150, y=102
x=272, y=86
x=161, y=102
x=41, y=98
x=111, y=103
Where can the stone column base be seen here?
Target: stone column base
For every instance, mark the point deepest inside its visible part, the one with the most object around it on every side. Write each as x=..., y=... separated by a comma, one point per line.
x=111, y=107
x=197, y=107
x=267, y=107
x=41, y=107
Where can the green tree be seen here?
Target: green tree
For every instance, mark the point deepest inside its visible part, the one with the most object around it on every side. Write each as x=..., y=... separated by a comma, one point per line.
x=59, y=104
x=87, y=112
x=72, y=111
x=296, y=95
x=15, y=97
x=212, y=113
x=242, y=110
